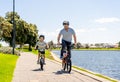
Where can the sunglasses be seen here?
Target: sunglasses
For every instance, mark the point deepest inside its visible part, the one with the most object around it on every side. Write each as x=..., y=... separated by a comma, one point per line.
x=65, y=24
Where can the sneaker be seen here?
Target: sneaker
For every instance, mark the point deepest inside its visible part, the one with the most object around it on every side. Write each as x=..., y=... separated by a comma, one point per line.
x=38, y=62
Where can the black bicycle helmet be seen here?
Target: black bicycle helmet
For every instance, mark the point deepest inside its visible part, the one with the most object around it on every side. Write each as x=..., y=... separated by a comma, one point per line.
x=42, y=36
x=66, y=23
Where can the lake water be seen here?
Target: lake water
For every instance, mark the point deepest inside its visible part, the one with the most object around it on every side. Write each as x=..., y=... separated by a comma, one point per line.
x=104, y=62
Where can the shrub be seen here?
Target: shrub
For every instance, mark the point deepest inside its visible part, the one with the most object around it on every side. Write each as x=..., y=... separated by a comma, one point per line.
x=0, y=45
x=8, y=50
x=25, y=47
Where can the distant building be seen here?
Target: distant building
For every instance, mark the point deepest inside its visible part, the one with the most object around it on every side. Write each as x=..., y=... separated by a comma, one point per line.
x=116, y=45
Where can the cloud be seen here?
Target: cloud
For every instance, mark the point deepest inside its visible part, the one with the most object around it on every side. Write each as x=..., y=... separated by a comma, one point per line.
x=107, y=20
x=102, y=29
x=57, y=30
x=48, y=33
x=81, y=30
x=86, y=30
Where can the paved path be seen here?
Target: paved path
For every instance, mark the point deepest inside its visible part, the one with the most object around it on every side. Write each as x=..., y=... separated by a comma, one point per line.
x=28, y=71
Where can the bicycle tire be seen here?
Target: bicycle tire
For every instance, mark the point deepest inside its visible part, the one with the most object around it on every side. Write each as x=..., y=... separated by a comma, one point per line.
x=69, y=66
x=41, y=63
x=64, y=66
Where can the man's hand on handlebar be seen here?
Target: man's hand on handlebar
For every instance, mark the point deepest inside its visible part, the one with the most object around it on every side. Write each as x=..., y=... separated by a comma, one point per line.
x=58, y=43
x=75, y=45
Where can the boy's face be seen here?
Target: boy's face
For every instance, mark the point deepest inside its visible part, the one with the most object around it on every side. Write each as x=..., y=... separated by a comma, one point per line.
x=41, y=39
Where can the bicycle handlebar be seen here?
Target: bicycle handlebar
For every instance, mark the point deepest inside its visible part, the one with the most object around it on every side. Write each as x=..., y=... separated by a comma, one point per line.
x=37, y=48
x=70, y=45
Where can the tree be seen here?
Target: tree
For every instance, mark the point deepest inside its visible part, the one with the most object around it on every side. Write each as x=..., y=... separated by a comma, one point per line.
x=21, y=32
x=87, y=46
x=78, y=45
x=1, y=25
x=7, y=27
x=32, y=35
x=25, y=33
x=9, y=17
x=7, y=32
x=119, y=44
x=0, y=45
x=97, y=45
x=51, y=44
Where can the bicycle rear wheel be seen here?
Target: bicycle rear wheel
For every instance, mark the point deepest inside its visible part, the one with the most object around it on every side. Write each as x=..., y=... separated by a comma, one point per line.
x=69, y=66
x=64, y=66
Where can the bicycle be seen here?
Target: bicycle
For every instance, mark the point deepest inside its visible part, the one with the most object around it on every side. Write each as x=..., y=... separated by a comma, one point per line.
x=66, y=61
x=41, y=59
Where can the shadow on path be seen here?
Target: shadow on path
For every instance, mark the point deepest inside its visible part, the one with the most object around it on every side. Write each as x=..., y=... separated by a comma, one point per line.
x=61, y=72
x=37, y=69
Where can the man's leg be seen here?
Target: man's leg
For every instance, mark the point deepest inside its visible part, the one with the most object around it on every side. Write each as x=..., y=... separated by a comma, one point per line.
x=63, y=47
x=69, y=48
x=61, y=55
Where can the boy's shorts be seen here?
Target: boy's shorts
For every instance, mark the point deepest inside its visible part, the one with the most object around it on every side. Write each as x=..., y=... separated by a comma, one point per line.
x=42, y=52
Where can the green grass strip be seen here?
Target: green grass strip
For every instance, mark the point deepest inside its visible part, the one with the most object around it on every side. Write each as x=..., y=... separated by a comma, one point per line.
x=99, y=75
x=7, y=65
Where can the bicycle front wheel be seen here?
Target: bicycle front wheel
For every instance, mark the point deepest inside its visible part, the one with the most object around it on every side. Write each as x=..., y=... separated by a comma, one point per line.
x=41, y=63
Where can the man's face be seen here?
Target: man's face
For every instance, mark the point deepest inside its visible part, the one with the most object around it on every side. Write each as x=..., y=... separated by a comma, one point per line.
x=66, y=26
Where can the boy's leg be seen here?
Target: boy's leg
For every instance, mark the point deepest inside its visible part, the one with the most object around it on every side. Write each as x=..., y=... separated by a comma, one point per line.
x=38, y=58
x=44, y=56
x=38, y=55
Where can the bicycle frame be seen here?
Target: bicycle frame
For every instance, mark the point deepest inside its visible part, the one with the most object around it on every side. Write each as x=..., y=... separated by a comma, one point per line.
x=66, y=62
x=41, y=61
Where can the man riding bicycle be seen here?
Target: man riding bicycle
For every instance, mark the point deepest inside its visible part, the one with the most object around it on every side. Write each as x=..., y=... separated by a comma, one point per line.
x=66, y=34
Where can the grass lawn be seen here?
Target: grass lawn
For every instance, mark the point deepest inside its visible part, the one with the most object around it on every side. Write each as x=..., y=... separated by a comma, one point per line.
x=7, y=65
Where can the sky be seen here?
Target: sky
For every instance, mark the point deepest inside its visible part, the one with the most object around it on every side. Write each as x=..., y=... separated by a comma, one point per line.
x=94, y=21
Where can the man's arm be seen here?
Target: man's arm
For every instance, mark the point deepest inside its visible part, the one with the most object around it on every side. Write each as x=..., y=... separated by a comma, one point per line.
x=75, y=39
x=58, y=39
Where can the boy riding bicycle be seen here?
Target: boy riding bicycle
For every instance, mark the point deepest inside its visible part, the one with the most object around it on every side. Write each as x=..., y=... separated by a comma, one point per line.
x=40, y=46
x=66, y=34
